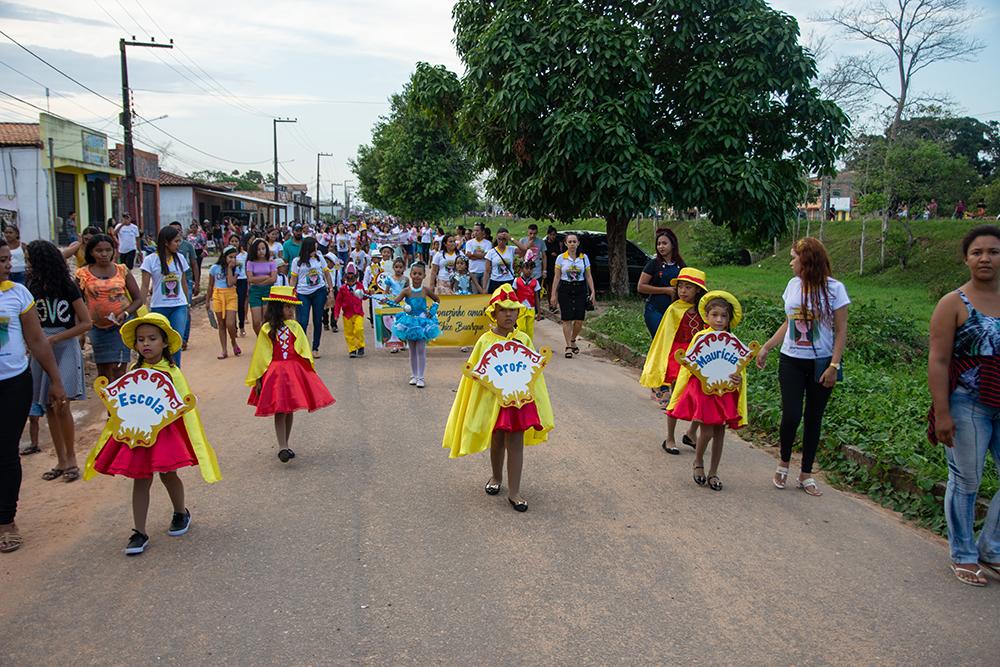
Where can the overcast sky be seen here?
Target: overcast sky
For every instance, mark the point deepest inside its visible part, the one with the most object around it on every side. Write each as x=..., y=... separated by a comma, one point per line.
x=329, y=63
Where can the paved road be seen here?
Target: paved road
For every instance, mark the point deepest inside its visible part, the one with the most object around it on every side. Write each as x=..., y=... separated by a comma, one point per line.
x=374, y=547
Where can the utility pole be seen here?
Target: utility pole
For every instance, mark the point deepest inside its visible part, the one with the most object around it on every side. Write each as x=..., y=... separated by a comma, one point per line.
x=129, y=189
x=318, y=156
x=347, y=201
x=277, y=210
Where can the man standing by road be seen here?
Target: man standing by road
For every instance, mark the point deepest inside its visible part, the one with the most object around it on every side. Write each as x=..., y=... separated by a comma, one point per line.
x=127, y=233
x=476, y=250
x=290, y=249
x=535, y=249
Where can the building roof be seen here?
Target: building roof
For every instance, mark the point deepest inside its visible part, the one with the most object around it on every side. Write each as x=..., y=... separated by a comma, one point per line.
x=20, y=134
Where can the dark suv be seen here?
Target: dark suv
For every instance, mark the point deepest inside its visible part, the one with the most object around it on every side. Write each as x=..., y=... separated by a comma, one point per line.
x=595, y=246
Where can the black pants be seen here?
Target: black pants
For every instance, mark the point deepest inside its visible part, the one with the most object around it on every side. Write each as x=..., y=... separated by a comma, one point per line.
x=797, y=378
x=242, y=288
x=128, y=259
x=15, y=397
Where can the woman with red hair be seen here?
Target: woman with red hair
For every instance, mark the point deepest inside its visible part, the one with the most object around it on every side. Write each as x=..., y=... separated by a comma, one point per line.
x=812, y=340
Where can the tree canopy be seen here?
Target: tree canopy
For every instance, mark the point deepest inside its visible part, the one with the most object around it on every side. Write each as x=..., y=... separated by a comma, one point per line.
x=250, y=180
x=606, y=108
x=413, y=167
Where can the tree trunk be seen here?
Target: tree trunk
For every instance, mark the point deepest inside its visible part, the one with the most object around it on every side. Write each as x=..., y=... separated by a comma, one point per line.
x=861, y=259
x=617, y=227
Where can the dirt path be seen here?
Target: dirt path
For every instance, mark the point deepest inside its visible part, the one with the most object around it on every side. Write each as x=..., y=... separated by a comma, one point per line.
x=373, y=547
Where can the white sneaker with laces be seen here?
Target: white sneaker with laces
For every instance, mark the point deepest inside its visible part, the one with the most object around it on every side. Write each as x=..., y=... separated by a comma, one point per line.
x=420, y=383
x=413, y=380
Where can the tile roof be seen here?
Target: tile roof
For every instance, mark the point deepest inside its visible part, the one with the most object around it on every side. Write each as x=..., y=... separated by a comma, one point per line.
x=20, y=134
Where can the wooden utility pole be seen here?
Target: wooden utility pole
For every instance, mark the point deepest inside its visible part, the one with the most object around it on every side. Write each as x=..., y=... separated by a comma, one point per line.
x=318, y=156
x=129, y=189
x=277, y=210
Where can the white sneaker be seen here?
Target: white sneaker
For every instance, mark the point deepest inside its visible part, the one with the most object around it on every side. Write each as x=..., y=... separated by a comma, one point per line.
x=420, y=383
x=413, y=380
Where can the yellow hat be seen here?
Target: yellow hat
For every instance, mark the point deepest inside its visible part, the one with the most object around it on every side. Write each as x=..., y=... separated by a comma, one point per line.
x=284, y=294
x=693, y=276
x=503, y=297
x=156, y=320
x=721, y=294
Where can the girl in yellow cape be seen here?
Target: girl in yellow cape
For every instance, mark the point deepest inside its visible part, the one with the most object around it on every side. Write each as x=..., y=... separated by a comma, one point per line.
x=677, y=329
x=721, y=311
x=179, y=444
x=282, y=371
x=477, y=420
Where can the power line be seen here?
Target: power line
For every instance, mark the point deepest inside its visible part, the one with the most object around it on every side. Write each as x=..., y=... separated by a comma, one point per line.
x=53, y=91
x=46, y=62
x=195, y=148
x=314, y=100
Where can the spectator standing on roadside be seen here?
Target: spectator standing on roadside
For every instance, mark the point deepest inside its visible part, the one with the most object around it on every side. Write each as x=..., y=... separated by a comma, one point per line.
x=18, y=268
x=476, y=250
x=198, y=239
x=959, y=210
x=963, y=374
x=127, y=233
x=654, y=282
x=534, y=249
x=933, y=207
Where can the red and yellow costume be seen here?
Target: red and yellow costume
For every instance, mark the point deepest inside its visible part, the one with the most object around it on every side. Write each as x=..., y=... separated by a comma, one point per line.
x=677, y=329
x=179, y=444
x=477, y=412
x=350, y=304
x=690, y=403
x=284, y=368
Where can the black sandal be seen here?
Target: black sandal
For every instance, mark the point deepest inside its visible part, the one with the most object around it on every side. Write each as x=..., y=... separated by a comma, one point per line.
x=669, y=450
x=573, y=346
x=569, y=353
x=50, y=475
x=492, y=490
x=715, y=483
x=285, y=455
x=520, y=507
x=700, y=480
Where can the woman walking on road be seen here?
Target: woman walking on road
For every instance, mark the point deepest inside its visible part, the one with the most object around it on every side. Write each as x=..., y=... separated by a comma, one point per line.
x=573, y=288
x=64, y=318
x=314, y=287
x=963, y=373
x=812, y=340
x=656, y=277
x=262, y=272
x=24, y=335
x=221, y=299
x=163, y=281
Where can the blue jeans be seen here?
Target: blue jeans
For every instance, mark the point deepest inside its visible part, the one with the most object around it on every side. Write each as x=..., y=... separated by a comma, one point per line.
x=977, y=429
x=178, y=316
x=315, y=303
x=651, y=316
x=186, y=334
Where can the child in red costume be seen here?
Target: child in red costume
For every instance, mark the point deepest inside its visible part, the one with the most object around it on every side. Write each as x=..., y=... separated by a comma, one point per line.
x=349, y=302
x=282, y=371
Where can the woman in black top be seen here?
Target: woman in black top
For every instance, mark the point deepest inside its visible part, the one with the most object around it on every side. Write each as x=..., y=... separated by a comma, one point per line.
x=656, y=276
x=553, y=248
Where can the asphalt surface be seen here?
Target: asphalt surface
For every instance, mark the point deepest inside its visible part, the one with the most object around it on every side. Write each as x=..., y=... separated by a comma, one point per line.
x=373, y=547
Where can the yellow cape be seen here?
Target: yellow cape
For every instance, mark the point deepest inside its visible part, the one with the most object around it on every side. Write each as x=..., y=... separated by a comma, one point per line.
x=684, y=375
x=203, y=451
x=655, y=369
x=526, y=322
x=475, y=410
x=264, y=351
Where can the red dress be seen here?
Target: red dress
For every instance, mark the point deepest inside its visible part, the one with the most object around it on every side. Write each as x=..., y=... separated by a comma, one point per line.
x=290, y=383
x=691, y=323
x=513, y=420
x=696, y=406
x=171, y=451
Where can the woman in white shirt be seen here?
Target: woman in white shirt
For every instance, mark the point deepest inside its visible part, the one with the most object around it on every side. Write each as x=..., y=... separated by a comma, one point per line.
x=311, y=279
x=426, y=238
x=163, y=285
x=444, y=264
x=274, y=242
x=572, y=288
x=499, y=267
x=342, y=242
x=812, y=340
x=17, y=266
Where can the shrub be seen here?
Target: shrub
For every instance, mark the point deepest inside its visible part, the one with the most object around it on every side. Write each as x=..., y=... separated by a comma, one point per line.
x=714, y=245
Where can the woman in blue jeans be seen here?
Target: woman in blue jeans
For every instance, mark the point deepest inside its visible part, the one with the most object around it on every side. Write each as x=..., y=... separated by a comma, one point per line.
x=310, y=277
x=163, y=283
x=963, y=373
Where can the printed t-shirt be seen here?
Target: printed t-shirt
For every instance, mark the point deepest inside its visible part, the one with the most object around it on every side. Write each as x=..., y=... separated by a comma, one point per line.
x=56, y=311
x=445, y=264
x=218, y=274
x=343, y=242
x=809, y=337
x=15, y=300
x=308, y=277
x=572, y=270
x=471, y=246
x=240, y=270
x=501, y=264
x=537, y=254
x=104, y=296
x=167, y=288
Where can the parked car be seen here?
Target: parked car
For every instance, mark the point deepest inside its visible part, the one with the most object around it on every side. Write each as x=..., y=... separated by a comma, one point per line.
x=595, y=246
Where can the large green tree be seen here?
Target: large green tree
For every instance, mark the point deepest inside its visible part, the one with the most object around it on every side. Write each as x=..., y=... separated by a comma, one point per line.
x=589, y=107
x=970, y=138
x=413, y=167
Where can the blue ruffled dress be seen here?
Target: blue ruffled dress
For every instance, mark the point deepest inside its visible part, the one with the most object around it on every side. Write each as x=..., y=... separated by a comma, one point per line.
x=420, y=323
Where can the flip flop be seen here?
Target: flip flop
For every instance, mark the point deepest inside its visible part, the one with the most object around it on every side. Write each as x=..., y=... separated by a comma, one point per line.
x=783, y=472
x=10, y=541
x=993, y=567
x=809, y=486
x=50, y=475
x=71, y=474
x=979, y=581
